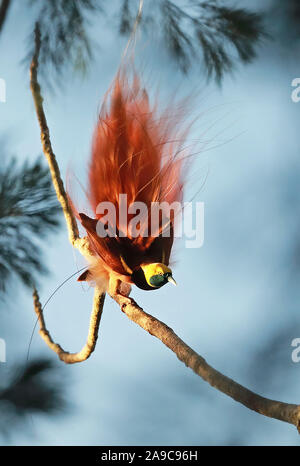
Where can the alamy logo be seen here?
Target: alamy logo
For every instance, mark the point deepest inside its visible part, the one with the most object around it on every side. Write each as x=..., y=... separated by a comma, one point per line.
x=295, y=95
x=296, y=352
x=2, y=350
x=2, y=90
x=140, y=219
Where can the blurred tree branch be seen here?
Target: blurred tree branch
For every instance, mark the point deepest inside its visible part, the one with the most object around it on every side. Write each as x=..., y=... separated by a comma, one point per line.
x=28, y=209
x=4, y=7
x=284, y=19
x=275, y=409
x=65, y=41
x=215, y=30
x=33, y=388
x=207, y=31
x=193, y=32
x=28, y=212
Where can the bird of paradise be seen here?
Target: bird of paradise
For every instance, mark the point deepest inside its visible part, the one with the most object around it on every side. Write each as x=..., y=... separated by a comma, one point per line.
x=137, y=150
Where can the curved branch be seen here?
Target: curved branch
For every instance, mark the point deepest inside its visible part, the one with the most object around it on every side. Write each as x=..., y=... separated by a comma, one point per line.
x=275, y=409
x=82, y=244
x=71, y=358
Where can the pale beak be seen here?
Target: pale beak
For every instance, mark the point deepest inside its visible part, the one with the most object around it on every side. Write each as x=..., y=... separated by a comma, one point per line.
x=171, y=280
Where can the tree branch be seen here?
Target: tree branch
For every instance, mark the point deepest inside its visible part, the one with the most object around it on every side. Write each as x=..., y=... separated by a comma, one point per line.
x=81, y=244
x=275, y=409
x=46, y=143
x=71, y=358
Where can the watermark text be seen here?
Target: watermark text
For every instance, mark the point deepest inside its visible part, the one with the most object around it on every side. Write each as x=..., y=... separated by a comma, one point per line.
x=2, y=90
x=164, y=219
x=296, y=352
x=2, y=350
x=295, y=95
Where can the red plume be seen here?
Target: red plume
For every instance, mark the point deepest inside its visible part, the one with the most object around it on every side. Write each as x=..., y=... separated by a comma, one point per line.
x=136, y=150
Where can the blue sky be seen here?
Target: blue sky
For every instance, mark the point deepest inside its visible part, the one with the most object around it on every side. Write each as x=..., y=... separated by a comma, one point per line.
x=231, y=296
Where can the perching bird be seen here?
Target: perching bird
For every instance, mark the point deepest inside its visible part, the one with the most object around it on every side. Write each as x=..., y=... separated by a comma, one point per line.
x=137, y=150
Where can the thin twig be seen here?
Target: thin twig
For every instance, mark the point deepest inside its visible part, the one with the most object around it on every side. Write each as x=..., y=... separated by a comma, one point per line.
x=86, y=351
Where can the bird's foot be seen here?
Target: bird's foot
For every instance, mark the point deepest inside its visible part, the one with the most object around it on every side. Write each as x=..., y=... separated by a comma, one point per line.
x=120, y=291
x=123, y=300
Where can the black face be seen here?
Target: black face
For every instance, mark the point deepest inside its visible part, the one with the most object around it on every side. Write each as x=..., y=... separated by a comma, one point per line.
x=139, y=280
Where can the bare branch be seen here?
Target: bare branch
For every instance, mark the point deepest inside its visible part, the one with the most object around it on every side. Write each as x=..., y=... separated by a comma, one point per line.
x=81, y=244
x=275, y=409
x=71, y=358
x=46, y=143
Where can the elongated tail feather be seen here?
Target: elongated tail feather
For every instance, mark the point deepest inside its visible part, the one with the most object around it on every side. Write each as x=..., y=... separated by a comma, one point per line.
x=135, y=149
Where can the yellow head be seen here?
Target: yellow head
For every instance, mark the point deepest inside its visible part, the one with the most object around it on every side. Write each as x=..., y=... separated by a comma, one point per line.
x=157, y=274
